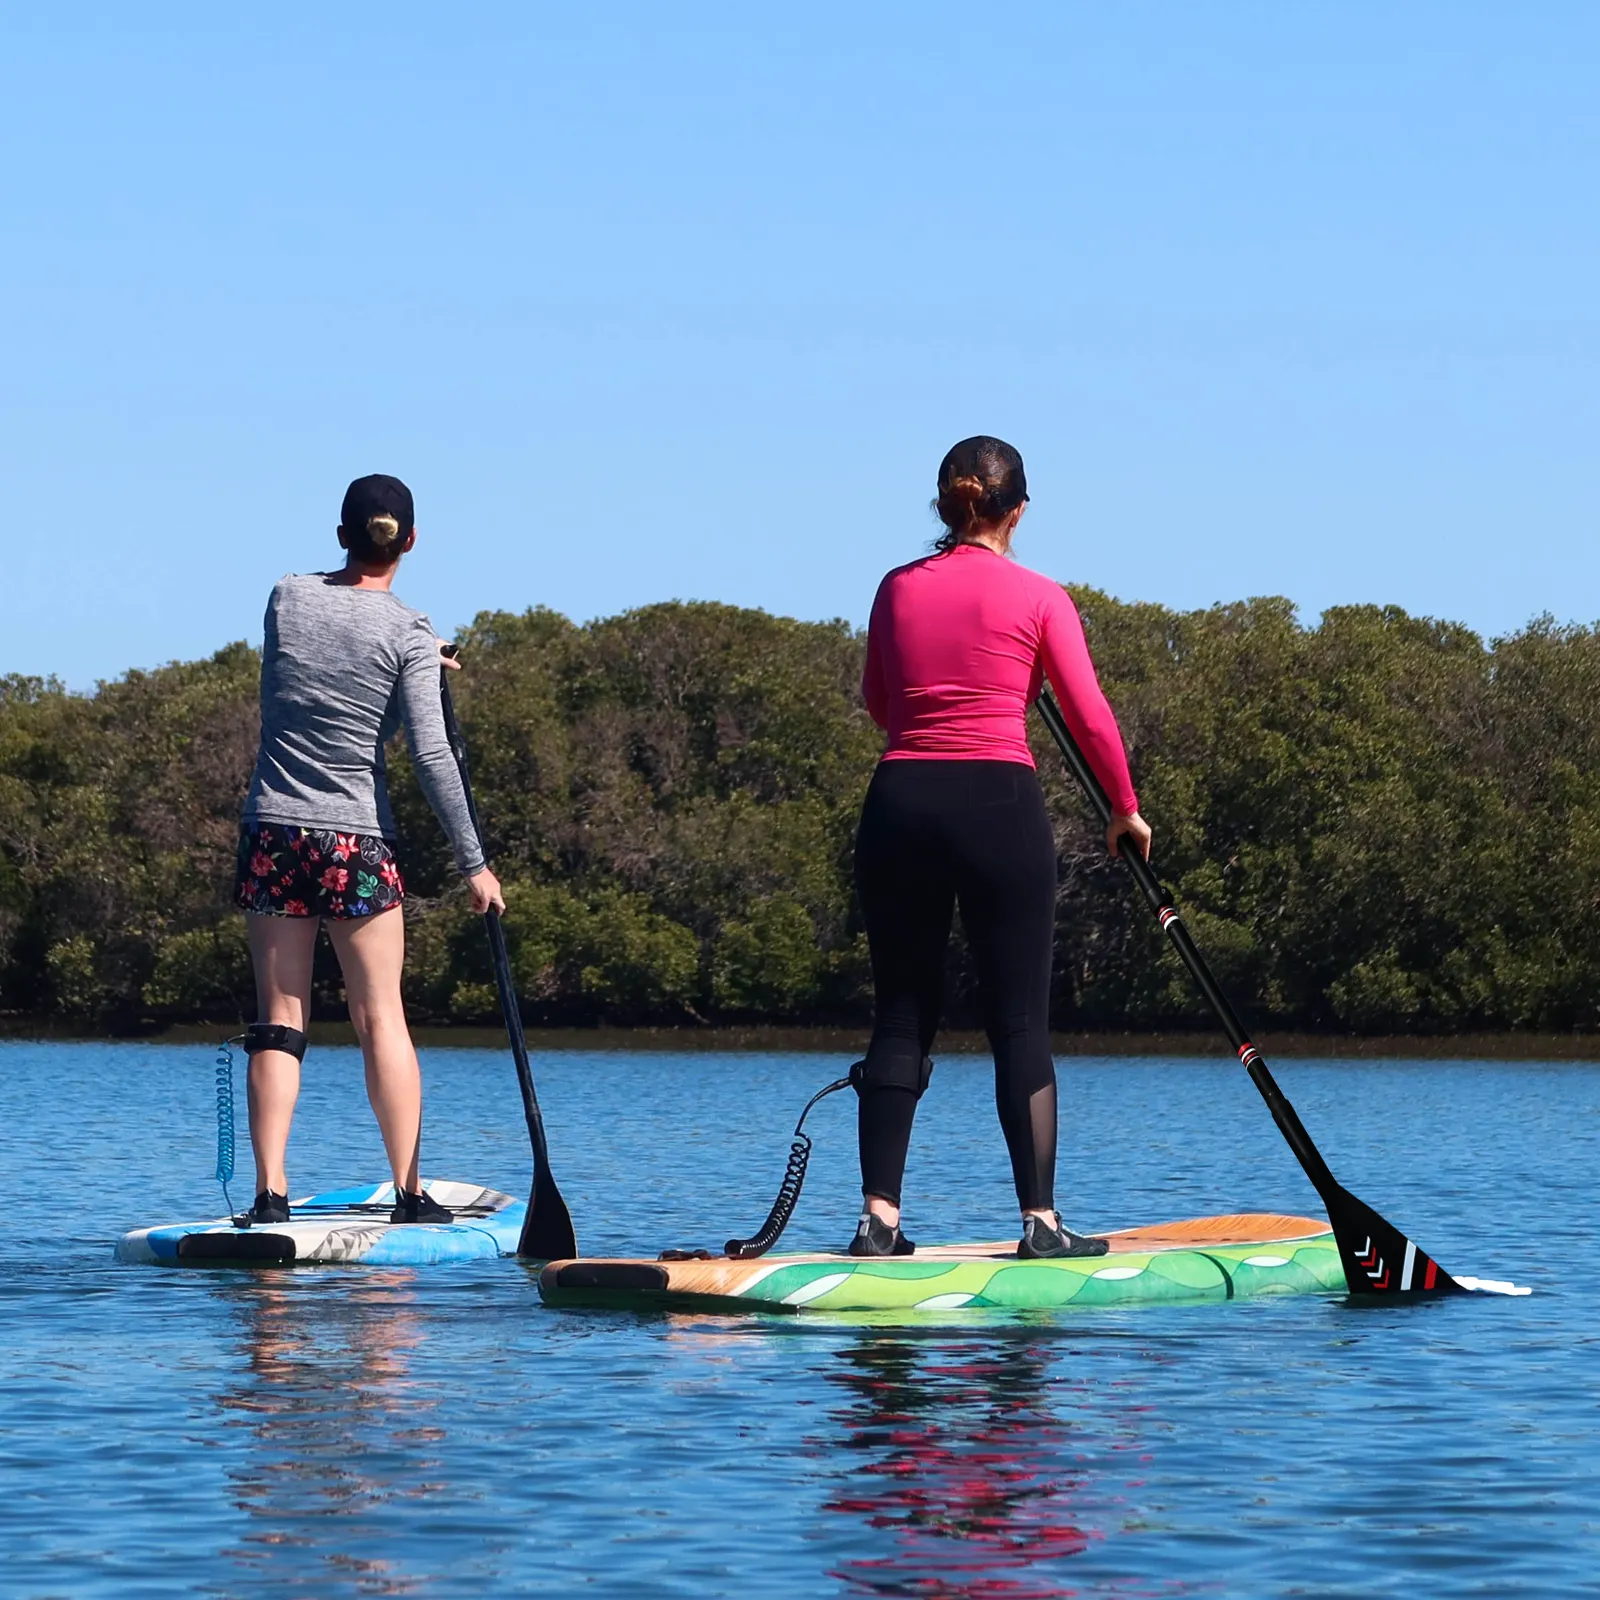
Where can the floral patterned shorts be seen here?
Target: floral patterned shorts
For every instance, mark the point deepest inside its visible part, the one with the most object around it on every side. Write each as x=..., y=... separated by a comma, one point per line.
x=314, y=872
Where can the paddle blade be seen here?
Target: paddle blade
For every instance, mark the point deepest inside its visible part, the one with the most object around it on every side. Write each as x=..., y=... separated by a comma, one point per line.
x=1378, y=1259
x=547, y=1233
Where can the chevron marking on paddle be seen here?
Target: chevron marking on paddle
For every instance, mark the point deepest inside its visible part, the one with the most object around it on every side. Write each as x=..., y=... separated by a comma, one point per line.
x=1371, y=1263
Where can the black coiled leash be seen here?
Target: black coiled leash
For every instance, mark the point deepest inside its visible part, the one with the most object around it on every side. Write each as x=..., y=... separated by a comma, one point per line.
x=794, y=1179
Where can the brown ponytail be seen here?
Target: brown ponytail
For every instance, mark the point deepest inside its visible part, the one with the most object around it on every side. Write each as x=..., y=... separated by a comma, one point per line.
x=980, y=481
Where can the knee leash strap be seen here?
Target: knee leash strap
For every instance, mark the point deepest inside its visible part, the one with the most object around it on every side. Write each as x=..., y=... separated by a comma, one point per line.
x=885, y=1071
x=275, y=1036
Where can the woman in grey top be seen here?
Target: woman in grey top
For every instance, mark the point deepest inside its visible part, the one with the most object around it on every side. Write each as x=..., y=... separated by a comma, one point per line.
x=345, y=664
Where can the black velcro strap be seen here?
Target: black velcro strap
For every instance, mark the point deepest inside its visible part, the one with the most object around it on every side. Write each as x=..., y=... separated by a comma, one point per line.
x=275, y=1036
x=892, y=1070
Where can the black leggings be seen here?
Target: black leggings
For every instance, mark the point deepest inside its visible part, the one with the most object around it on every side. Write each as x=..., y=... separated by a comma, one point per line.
x=934, y=834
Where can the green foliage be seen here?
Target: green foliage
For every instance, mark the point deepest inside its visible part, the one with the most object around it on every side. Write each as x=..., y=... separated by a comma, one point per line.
x=74, y=983
x=768, y=964
x=202, y=972
x=635, y=960
x=1380, y=822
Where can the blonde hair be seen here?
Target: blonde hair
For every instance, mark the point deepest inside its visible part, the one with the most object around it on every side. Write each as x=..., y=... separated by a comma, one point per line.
x=382, y=530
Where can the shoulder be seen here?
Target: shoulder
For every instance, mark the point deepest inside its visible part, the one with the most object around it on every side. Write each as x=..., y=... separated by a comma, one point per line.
x=908, y=573
x=286, y=597
x=883, y=597
x=407, y=617
x=300, y=586
x=396, y=604
x=411, y=630
x=413, y=625
x=1050, y=597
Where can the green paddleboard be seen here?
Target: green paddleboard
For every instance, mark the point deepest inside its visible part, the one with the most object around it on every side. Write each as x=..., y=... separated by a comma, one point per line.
x=1204, y=1258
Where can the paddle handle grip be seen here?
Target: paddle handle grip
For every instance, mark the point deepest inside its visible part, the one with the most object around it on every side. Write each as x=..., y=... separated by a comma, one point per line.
x=1289, y=1124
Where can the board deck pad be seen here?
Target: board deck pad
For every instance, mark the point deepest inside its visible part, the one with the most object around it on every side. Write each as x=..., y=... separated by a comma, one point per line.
x=1204, y=1258
x=341, y=1226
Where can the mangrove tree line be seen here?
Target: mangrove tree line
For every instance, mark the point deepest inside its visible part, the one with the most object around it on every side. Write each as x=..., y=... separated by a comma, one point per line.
x=1377, y=823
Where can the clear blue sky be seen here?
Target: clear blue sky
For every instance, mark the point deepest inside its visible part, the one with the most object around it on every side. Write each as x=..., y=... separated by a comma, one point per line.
x=653, y=301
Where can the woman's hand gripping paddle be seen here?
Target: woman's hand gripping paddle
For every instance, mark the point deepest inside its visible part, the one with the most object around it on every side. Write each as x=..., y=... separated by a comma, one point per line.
x=547, y=1233
x=1378, y=1259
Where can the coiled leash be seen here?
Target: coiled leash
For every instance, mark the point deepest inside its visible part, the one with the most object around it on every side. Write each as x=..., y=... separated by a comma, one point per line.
x=794, y=1178
x=258, y=1036
x=225, y=1130
x=889, y=1070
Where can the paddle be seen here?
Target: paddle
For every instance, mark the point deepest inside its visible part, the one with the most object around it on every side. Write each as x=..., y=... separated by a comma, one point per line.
x=1378, y=1259
x=547, y=1233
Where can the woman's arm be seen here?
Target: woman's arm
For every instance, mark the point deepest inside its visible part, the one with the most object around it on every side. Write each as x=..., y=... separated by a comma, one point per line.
x=435, y=765
x=1067, y=664
x=873, y=688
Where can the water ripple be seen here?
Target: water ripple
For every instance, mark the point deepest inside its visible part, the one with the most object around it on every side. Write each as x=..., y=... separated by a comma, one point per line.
x=338, y=1432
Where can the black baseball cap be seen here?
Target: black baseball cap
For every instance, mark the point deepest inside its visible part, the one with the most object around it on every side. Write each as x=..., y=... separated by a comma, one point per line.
x=373, y=496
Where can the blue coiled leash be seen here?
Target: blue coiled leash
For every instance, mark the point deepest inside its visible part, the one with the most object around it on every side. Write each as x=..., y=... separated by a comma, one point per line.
x=225, y=1129
x=258, y=1036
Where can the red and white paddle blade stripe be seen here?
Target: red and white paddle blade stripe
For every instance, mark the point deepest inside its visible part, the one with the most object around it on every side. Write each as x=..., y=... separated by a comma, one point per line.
x=1378, y=1273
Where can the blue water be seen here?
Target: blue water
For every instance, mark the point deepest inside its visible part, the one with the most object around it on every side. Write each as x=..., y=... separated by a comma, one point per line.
x=439, y=1433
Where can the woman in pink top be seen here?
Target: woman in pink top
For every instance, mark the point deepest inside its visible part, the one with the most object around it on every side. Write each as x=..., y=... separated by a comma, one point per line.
x=959, y=645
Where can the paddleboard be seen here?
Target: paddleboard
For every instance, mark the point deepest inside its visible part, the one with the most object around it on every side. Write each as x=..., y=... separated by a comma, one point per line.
x=1205, y=1258
x=344, y=1226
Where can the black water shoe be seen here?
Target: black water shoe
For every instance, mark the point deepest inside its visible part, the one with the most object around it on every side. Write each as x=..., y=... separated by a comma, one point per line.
x=418, y=1207
x=874, y=1237
x=1041, y=1242
x=268, y=1207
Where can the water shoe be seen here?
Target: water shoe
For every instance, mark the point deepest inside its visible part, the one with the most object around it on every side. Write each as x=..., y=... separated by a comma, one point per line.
x=874, y=1237
x=418, y=1207
x=1041, y=1242
x=268, y=1207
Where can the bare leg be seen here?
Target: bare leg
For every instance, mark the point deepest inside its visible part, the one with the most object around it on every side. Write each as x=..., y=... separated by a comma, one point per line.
x=372, y=952
x=281, y=949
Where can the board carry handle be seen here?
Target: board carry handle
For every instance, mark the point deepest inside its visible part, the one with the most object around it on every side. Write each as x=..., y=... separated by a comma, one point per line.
x=1378, y=1258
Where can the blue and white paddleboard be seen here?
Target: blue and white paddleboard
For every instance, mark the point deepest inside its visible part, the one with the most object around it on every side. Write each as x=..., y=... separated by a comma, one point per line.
x=343, y=1225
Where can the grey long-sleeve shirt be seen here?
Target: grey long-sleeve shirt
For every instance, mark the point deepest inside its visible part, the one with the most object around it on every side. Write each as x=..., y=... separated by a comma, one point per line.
x=341, y=670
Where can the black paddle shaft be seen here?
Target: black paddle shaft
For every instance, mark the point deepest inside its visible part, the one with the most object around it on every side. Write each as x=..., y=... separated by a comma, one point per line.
x=547, y=1234
x=1377, y=1257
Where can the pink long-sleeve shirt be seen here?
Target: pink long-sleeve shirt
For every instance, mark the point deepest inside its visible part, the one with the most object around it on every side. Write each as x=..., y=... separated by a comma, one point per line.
x=958, y=648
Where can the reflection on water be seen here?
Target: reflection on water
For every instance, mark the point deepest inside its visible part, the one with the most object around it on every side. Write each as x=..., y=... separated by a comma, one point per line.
x=957, y=1453
x=333, y=1426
